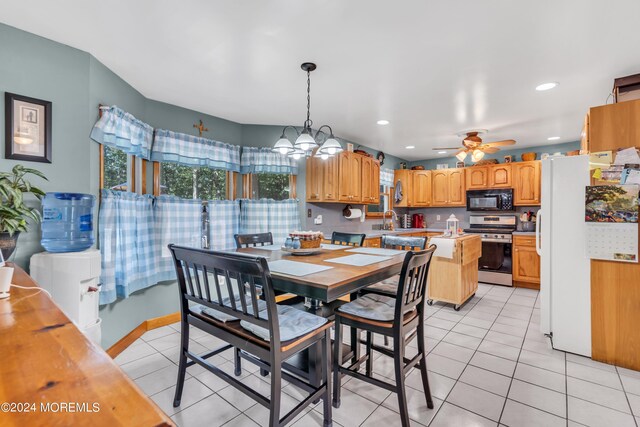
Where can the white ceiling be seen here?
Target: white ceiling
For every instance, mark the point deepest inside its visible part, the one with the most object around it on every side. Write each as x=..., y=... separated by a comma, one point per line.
x=430, y=67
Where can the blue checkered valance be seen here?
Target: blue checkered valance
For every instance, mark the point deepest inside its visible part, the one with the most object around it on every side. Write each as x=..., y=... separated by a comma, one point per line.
x=189, y=150
x=264, y=160
x=386, y=177
x=280, y=217
x=127, y=244
x=119, y=129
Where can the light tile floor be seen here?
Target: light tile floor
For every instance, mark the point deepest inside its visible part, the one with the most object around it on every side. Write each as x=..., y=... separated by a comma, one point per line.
x=488, y=365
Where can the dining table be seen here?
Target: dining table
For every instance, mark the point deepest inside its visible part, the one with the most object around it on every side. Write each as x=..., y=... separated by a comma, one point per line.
x=342, y=275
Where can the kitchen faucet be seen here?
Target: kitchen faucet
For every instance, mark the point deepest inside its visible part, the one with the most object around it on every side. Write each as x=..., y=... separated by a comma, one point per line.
x=384, y=219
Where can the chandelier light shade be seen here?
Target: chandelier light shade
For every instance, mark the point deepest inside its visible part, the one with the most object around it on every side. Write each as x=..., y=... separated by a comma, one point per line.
x=461, y=156
x=477, y=155
x=306, y=141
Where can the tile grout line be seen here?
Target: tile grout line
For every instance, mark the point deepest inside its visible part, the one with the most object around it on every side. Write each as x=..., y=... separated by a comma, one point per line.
x=633, y=415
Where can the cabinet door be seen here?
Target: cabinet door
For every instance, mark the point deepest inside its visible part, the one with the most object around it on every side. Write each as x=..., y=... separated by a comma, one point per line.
x=345, y=185
x=404, y=176
x=439, y=187
x=477, y=178
x=456, y=187
x=355, y=166
x=526, y=185
x=314, y=179
x=526, y=264
x=330, y=180
x=500, y=176
x=375, y=182
x=366, y=170
x=421, y=183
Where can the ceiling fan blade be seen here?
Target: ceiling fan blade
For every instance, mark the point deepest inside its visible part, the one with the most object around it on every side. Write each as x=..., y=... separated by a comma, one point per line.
x=501, y=143
x=447, y=148
x=488, y=149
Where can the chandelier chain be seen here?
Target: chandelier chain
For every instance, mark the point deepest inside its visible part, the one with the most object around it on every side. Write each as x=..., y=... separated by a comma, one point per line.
x=308, y=122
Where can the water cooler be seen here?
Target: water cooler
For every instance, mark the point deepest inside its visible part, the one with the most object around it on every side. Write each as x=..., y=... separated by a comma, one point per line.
x=73, y=280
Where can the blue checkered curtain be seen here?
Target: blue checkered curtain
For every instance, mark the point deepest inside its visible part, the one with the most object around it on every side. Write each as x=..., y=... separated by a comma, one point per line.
x=189, y=150
x=280, y=217
x=178, y=221
x=119, y=129
x=224, y=222
x=263, y=160
x=386, y=177
x=127, y=244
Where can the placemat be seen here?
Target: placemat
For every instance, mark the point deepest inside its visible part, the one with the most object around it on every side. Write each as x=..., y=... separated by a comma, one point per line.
x=359, y=260
x=295, y=268
x=377, y=251
x=268, y=247
x=331, y=247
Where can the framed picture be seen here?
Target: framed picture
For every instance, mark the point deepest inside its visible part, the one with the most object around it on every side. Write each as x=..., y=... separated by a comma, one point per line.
x=459, y=164
x=27, y=128
x=508, y=159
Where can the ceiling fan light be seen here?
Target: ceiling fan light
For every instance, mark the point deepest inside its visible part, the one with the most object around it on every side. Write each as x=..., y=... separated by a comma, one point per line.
x=461, y=156
x=283, y=146
x=331, y=146
x=477, y=155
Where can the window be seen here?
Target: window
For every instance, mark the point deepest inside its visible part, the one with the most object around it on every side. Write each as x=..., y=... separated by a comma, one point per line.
x=191, y=183
x=386, y=203
x=277, y=186
x=117, y=169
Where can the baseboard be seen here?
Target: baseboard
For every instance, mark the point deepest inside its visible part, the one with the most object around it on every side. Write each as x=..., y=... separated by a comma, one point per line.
x=147, y=325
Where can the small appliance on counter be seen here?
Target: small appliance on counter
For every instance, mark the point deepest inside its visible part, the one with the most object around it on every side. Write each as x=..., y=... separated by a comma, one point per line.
x=418, y=221
x=528, y=221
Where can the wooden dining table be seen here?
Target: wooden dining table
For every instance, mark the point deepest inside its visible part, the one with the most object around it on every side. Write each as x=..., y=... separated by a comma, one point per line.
x=328, y=287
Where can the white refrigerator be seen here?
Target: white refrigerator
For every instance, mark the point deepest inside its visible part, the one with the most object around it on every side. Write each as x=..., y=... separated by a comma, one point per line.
x=565, y=282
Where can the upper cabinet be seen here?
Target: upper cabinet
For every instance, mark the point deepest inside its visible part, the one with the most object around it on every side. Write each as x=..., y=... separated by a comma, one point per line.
x=448, y=187
x=526, y=183
x=421, y=183
x=345, y=178
x=405, y=177
x=489, y=176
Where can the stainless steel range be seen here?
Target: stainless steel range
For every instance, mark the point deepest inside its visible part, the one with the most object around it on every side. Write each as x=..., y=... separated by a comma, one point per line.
x=496, y=234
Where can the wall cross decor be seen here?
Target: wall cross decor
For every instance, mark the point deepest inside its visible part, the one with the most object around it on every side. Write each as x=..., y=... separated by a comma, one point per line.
x=201, y=127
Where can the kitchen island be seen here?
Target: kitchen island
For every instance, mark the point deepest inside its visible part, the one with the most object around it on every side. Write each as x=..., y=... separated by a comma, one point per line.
x=453, y=275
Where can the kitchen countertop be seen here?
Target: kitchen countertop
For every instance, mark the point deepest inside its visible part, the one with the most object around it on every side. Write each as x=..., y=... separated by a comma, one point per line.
x=524, y=233
x=378, y=233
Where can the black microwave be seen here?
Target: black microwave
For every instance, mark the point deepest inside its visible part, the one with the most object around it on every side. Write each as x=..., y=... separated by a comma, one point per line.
x=490, y=200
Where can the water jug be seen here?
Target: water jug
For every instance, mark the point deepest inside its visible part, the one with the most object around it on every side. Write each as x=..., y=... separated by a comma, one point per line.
x=67, y=222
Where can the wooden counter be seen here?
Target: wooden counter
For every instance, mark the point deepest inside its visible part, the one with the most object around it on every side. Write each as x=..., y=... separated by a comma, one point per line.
x=455, y=280
x=46, y=363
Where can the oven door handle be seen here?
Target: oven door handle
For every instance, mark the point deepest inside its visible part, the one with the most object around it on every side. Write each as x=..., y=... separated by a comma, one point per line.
x=538, y=221
x=490, y=240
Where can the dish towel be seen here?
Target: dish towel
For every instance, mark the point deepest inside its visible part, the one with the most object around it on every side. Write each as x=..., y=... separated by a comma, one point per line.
x=398, y=192
x=444, y=246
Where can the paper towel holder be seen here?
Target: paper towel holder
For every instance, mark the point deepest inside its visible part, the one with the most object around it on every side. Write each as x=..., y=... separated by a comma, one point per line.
x=346, y=212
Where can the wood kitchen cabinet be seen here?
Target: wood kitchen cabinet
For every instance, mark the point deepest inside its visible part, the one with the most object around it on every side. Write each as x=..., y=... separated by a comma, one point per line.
x=526, y=183
x=448, y=187
x=526, y=262
x=315, y=179
x=500, y=175
x=421, y=187
x=330, y=179
x=370, y=179
x=405, y=178
x=477, y=177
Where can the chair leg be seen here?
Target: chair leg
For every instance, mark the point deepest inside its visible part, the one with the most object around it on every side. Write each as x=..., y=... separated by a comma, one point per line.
x=398, y=362
x=337, y=362
x=276, y=386
x=238, y=361
x=423, y=365
x=182, y=367
x=369, y=364
x=386, y=340
x=326, y=378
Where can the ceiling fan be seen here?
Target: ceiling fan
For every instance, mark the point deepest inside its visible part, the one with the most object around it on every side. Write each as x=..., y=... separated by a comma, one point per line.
x=473, y=144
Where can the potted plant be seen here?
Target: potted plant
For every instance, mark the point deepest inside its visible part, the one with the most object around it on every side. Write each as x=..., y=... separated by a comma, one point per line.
x=14, y=213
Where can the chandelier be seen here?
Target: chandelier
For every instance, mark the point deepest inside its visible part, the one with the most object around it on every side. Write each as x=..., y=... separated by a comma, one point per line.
x=306, y=140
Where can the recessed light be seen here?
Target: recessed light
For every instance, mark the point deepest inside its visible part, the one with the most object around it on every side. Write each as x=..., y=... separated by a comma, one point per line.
x=442, y=152
x=383, y=122
x=410, y=147
x=546, y=86
x=553, y=138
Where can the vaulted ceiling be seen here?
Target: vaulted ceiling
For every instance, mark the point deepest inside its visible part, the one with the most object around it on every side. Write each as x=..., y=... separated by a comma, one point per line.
x=432, y=68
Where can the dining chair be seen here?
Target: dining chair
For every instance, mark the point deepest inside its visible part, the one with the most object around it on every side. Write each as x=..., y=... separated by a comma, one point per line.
x=389, y=286
x=249, y=240
x=349, y=239
x=267, y=333
x=400, y=317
